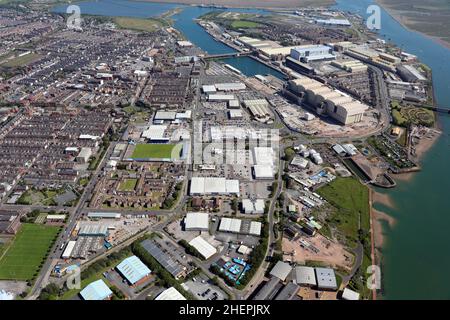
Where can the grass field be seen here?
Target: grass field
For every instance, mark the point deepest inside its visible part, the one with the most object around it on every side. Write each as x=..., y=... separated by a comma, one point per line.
x=148, y=25
x=157, y=151
x=22, y=260
x=128, y=185
x=351, y=202
x=244, y=24
x=21, y=61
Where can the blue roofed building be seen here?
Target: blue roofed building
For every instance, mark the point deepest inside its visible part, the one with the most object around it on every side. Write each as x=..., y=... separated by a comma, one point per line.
x=97, y=290
x=133, y=270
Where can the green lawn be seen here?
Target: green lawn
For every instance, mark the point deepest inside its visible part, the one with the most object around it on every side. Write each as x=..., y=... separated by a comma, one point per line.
x=148, y=25
x=244, y=24
x=128, y=185
x=23, y=259
x=351, y=202
x=21, y=61
x=158, y=151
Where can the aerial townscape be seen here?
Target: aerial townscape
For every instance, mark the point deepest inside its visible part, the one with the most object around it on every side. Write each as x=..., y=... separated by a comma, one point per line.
x=204, y=151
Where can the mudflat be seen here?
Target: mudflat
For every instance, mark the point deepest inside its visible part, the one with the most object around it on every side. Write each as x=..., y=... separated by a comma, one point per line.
x=275, y=4
x=431, y=17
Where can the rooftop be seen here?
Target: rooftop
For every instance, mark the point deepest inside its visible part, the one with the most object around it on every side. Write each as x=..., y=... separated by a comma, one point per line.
x=96, y=290
x=133, y=269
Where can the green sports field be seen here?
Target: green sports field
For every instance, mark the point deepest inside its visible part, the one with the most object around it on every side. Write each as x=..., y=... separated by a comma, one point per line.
x=22, y=260
x=156, y=151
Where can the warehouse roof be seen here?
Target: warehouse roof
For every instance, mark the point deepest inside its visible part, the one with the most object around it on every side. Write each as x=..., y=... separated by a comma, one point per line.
x=164, y=259
x=281, y=270
x=250, y=206
x=268, y=291
x=232, y=86
x=165, y=115
x=196, y=220
x=170, y=294
x=210, y=185
x=349, y=294
x=326, y=279
x=204, y=247
x=154, y=132
x=289, y=292
x=209, y=88
x=133, y=269
x=93, y=229
x=221, y=97
x=96, y=290
x=68, y=251
x=230, y=225
x=305, y=276
x=263, y=171
x=263, y=155
x=106, y=215
x=255, y=228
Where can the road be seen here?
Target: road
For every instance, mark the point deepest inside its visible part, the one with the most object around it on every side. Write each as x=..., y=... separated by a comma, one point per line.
x=63, y=237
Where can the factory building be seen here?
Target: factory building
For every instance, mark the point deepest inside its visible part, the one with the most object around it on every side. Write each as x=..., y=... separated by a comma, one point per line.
x=269, y=290
x=334, y=22
x=305, y=276
x=410, y=74
x=349, y=294
x=253, y=207
x=170, y=294
x=196, y=221
x=97, y=290
x=281, y=270
x=327, y=101
x=203, y=247
x=264, y=159
x=309, y=53
x=263, y=172
x=155, y=133
x=383, y=60
x=133, y=270
x=164, y=258
x=230, y=86
x=68, y=250
x=275, y=53
x=255, y=44
x=352, y=66
x=104, y=215
x=326, y=279
x=221, y=97
x=299, y=66
x=240, y=226
x=84, y=155
x=91, y=230
x=259, y=108
x=165, y=116
x=289, y=292
x=211, y=186
x=235, y=114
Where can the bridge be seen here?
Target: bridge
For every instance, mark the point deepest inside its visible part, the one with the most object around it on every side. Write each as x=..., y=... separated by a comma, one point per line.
x=440, y=110
x=227, y=55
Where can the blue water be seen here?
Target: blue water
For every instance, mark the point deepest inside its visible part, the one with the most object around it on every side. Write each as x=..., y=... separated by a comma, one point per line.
x=184, y=22
x=416, y=255
x=119, y=8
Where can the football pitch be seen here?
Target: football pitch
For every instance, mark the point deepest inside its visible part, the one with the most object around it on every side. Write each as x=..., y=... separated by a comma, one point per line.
x=156, y=151
x=22, y=260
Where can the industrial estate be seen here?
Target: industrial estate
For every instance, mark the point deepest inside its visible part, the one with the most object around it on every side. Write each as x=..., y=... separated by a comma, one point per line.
x=157, y=169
